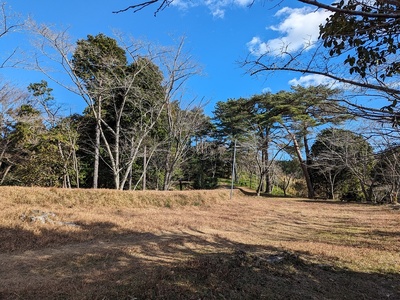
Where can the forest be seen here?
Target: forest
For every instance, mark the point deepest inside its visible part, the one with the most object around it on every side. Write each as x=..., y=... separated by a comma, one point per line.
x=139, y=130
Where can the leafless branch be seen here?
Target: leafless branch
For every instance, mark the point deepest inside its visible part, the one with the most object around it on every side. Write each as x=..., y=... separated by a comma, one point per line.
x=395, y=14
x=142, y=5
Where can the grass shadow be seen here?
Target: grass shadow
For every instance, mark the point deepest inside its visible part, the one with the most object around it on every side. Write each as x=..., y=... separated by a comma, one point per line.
x=184, y=265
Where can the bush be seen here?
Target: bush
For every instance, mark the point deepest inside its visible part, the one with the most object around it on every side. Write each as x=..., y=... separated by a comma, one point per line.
x=350, y=196
x=205, y=183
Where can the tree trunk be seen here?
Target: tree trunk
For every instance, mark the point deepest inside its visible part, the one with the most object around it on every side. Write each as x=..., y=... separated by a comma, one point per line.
x=97, y=150
x=261, y=167
x=268, y=187
x=5, y=174
x=303, y=164
x=308, y=164
x=260, y=184
x=304, y=168
x=167, y=179
x=285, y=186
x=76, y=167
x=144, y=168
x=332, y=186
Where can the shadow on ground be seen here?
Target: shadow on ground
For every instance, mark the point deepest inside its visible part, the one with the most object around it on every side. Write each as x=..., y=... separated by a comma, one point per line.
x=187, y=265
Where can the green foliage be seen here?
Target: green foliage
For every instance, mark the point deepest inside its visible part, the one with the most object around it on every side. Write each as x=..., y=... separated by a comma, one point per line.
x=300, y=188
x=350, y=191
x=36, y=157
x=367, y=33
x=342, y=163
x=205, y=165
x=97, y=55
x=277, y=191
x=291, y=167
x=125, y=105
x=233, y=118
x=41, y=90
x=285, y=119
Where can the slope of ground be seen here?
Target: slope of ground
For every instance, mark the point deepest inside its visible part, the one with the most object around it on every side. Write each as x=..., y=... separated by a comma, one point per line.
x=79, y=244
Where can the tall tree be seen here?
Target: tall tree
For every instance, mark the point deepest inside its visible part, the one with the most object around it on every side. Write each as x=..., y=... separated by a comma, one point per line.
x=267, y=130
x=182, y=126
x=354, y=154
x=300, y=113
x=330, y=172
x=232, y=120
x=36, y=157
x=182, y=122
x=94, y=60
x=128, y=100
x=59, y=129
x=297, y=113
x=11, y=99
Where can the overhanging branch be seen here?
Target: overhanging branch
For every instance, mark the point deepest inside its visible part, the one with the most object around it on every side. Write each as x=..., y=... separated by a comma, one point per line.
x=331, y=8
x=384, y=89
x=142, y=5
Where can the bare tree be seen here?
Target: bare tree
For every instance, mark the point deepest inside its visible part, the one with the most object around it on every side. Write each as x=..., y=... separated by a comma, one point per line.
x=352, y=152
x=286, y=173
x=326, y=163
x=10, y=99
x=8, y=24
x=182, y=125
x=130, y=116
x=385, y=141
x=55, y=48
x=181, y=122
x=371, y=158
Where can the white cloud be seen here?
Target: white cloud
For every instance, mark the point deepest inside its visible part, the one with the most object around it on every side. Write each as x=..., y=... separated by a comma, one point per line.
x=243, y=2
x=216, y=7
x=312, y=80
x=257, y=47
x=266, y=90
x=298, y=29
x=182, y=4
x=218, y=13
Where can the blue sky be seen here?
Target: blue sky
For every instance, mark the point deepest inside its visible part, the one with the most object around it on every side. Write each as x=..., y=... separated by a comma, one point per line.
x=218, y=34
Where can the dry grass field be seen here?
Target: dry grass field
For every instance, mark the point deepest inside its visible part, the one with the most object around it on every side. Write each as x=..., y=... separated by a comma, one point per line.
x=86, y=244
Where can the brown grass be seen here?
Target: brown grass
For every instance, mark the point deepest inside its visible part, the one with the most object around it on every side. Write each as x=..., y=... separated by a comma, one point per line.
x=194, y=245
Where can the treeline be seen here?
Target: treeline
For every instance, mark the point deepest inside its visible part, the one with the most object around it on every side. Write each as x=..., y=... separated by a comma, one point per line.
x=137, y=132
x=298, y=143
x=134, y=133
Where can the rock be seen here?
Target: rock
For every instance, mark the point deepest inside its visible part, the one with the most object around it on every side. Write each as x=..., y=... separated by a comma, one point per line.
x=44, y=217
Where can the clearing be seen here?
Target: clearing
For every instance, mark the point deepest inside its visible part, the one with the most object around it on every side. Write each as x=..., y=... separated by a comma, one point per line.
x=85, y=244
